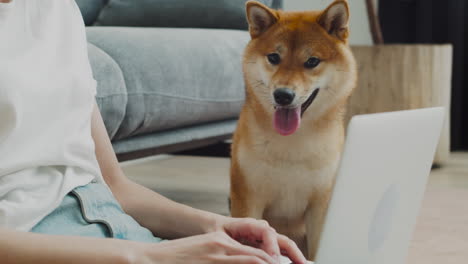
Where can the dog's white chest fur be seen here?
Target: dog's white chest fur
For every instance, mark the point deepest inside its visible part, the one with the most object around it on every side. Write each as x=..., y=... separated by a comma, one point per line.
x=287, y=172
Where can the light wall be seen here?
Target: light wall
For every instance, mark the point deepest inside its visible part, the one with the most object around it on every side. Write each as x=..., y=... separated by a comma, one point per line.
x=359, y=24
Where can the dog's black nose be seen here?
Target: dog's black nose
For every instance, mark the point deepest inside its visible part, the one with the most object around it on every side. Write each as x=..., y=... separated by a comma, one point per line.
x=284, y=96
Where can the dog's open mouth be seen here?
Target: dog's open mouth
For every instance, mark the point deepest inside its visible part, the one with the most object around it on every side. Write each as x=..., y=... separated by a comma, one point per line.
x=309, y=101
x=287, y=120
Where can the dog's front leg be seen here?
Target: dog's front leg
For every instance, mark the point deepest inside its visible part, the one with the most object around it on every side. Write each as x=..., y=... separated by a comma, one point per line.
x=314, y=219
x=246, y=206
x=243, y=201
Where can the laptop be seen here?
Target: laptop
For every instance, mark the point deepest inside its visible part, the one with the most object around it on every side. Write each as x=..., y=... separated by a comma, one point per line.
x=379, y=187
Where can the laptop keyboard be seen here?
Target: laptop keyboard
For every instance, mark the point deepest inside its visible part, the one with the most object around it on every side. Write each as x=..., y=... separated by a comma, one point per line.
x=285, y=260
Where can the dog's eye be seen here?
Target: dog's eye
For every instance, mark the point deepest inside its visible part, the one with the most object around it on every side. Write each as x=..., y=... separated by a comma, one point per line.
x=312, y=62
x=274, y=58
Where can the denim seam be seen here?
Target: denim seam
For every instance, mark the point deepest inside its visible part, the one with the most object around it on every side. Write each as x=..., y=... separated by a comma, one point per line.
x=85, y=217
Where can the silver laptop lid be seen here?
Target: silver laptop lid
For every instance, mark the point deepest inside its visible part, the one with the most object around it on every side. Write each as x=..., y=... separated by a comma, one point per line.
x=379, y=187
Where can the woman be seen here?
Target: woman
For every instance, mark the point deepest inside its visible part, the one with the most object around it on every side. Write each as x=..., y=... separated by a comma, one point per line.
x=63, y=196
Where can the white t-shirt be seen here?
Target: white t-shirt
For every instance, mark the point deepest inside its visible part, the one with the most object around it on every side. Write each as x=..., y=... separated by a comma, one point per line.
x=46, y=99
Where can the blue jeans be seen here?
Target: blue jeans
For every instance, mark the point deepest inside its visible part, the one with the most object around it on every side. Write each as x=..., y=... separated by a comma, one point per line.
x=92, y=210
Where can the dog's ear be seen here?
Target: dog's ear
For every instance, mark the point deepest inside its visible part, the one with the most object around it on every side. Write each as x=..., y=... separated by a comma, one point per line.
x=335, y=19
x=260, y=18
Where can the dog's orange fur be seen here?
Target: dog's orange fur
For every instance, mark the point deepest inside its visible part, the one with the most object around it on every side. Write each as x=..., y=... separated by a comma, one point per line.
x=287, y=180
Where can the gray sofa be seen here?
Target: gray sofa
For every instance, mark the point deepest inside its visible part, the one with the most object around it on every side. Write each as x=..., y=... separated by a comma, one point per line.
x=168, y=71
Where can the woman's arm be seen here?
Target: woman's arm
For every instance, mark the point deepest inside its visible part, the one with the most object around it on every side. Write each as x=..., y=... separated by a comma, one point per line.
x=23, y=247
x=162, y=216
x=215, y=248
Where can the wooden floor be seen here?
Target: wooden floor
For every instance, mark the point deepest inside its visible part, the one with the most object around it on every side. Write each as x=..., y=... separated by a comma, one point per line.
x=441, y=235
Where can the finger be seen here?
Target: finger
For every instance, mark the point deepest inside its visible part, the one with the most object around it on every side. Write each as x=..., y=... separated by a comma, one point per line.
x=261, y=234
x=270, y=242
x=239, y=249
x=241, y=260
x=290, y=248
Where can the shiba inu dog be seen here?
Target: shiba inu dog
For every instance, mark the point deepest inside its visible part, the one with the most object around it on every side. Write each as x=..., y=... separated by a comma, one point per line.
x=299, y=73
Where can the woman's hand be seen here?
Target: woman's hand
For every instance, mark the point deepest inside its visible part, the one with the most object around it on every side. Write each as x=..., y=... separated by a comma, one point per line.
x=259, y=234
x=211, y=248
x=232, y=240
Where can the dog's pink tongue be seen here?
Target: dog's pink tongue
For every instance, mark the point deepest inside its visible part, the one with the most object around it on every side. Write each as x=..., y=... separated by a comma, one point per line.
x=287, y=120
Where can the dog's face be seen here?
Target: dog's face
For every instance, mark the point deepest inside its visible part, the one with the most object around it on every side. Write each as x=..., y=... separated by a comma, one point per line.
x=298, y=65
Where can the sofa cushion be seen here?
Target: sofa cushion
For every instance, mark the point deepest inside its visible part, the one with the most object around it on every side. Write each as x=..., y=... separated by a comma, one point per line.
x=173, y=77
x=176, y=136
x=111, y=94
x=228, y=14
x=90, y=9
